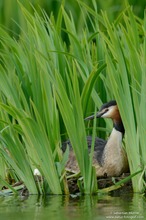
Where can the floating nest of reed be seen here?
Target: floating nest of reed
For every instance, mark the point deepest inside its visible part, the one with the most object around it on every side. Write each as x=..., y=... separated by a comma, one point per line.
x=105, y=185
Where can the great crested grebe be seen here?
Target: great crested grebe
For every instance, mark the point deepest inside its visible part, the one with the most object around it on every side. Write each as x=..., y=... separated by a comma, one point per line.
x=109, y=156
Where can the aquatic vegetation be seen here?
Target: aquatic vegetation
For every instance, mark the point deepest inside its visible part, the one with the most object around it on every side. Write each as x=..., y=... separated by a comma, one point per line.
x=51, y=77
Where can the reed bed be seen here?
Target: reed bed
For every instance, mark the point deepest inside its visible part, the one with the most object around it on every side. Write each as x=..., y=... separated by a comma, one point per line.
x=52, y=77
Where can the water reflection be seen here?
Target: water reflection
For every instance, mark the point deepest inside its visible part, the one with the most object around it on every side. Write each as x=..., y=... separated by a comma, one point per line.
x=114, y=206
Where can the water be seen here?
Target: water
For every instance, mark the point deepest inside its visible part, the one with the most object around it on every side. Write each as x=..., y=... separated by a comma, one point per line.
x=126, y=206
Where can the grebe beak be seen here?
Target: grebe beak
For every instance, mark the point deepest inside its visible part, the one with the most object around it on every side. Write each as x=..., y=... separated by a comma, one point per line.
x=98, y=115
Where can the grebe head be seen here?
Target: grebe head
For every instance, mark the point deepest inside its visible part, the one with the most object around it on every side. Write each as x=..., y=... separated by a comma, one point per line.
x=108, y=110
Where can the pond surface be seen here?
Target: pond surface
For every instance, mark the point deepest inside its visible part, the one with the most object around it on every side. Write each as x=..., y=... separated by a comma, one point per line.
x=114, y=206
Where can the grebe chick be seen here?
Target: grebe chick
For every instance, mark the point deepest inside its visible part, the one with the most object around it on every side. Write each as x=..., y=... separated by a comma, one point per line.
x=109, y=157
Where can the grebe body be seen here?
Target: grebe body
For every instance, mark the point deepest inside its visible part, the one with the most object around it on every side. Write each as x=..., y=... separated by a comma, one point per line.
x=109, y=158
